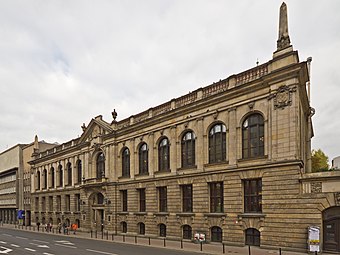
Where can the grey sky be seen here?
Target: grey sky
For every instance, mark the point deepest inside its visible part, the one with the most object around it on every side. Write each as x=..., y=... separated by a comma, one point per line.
x=65, y=62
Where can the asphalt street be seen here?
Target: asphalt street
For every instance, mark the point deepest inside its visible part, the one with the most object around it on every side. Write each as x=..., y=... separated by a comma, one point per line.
x=13, y=242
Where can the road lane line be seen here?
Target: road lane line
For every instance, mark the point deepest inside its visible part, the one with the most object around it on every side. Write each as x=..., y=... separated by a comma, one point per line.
x=29, y=249
x=73, y=247
x=3, y=242
x=15, y=245
x=46, y=253
x=101, y=252
x=40, y=241
x=5, y=250
x=7, y=235
x=20, y=237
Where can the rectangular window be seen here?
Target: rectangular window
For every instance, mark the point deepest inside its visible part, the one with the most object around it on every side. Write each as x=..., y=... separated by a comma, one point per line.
x=67, y=203
x=162, y=197
x=50, y=203
x=37, y=204
x=124, y=199
x=59, y=203
x=253, y=196
x=43, y=204
x=216, y=197
x=187, y=198
x=77, y=200
x=142, y=200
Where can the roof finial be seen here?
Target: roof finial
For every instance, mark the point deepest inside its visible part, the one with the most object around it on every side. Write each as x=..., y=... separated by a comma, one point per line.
x=283, y=41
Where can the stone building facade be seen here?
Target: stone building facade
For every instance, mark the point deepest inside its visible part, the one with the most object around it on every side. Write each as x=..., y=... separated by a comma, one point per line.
x=228, y=160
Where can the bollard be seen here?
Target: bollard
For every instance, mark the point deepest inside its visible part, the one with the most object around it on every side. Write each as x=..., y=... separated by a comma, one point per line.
x=279, y=251
x=223, y=248
x=96, y=234
x=316, y=253
x=124, y=238
x=181, y=244
x=113, y=237
x=91, y=233
x=249, y=250
x=107, y=235
x=103, y=234
x=201, y=244
x=149, y=240
x=164, y=243
x=135, y=239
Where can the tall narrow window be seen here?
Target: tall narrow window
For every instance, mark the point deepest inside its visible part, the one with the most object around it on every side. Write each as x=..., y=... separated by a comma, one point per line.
x=164, y=155
x=50, y=203
x=141, y=227
x=69, y=173
x=253, y=196
x=187, y=198
x=61, y=176
x=253, y=136
x=124, y=227
x=100, y=166
x=162, y=197
x=77, y=201
x=37, y=204
x=142, y=200
x=126, y=163
x=143, y=159
x=79, y=171
x=217, y=143
x=216, y=197
x=45, y=178
x=43, y=204
x=59, y=203
x=67, y=203
x=52, y=178
x=124, y=199
x=188, y=149
x=162, y=230
x=38, y=181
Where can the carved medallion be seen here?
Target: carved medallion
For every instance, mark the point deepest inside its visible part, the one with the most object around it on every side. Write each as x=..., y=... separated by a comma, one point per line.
x=283, y=97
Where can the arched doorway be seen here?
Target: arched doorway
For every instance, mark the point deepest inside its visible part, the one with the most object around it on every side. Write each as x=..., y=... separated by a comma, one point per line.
x=331, y=229
x=97, y=205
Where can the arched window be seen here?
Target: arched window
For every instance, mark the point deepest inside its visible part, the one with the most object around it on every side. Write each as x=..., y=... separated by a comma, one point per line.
x=188, y=149
x=100, y=199
x=217, y=143
x=187, y=232
x=162, y=230
x=100, y=165
x=52, y=177
x=253, y=136
x=143, y=159
x=61, y=176
x=216, y=234
x=124, y=227
x=79, y=171
x=69, y=173
x=141, y=228
x=164, y=155
x=38, y=180
x=252, y=237
x=126, y=163
x=45, y=178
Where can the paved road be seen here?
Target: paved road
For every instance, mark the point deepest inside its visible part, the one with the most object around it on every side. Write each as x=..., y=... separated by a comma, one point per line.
x=18, y=242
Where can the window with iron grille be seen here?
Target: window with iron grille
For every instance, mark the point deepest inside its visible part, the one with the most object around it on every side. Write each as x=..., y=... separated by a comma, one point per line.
x=252, y=195
x=216, y=197
x=162, y=195
x=253, y=136
x=188, y=149
x=187, y=198
x=162, y=230
x=187, y=232
x=142, y=200
x=124, y=197
x=217, y=143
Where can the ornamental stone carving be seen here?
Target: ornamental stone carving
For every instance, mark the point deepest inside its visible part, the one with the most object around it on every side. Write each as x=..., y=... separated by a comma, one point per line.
x=316, y=187
x=337, y=198
x=283, y=97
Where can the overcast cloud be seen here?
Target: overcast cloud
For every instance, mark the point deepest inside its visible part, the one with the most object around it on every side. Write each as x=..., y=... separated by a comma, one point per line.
x=64, y=62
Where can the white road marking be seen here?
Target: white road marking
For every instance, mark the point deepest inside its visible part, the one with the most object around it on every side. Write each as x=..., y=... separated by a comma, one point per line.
x=15, y=245
x=3, y=242
x=102, y=252
x=43, y=246
x=46, y=253
x=39, y=241
x=7, y=235
x=29, y=249
x=34, y=244
x=65, y=246
x=6, y=250
x=65, y=242
x=20, y=237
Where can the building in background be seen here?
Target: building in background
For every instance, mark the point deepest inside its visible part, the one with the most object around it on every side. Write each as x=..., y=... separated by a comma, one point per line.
x=336, y=162
x=229, y=162
x=15, y=181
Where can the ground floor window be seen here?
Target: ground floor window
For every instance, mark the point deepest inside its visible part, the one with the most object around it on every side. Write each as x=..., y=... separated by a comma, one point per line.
x=216, y=234
x=252, y=237
x=141, y=227
x=162, y=230
x=187, y=232
x=124, y=227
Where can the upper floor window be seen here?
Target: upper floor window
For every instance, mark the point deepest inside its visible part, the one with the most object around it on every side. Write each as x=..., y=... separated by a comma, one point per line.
x=143, y=159
x=187, y=198
x=162, y=199
x=216, y=197
x=124, y=200
x=252, y=195
x=253, y=136
x=164, y=155
x=79, y=171
x=69, y=173
x=52, y=178
x=142, y=200
x=217, y=143
x=61, y=176
x=38, y=180
x=188, y=149
x=126, y=163
x=100, y=165
x=45, y=178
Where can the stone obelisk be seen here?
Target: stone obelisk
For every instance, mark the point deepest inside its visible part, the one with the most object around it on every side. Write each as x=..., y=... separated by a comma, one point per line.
x=283, y=40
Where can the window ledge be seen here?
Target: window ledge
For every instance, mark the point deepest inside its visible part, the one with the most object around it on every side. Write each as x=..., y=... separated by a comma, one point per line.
x=251, y=159
x=163, y=172
x=123, y=213
x=142, y=174
x=140, y=213
x=124, y=177
x=185, y=214
x=161, y=214
x=251, y=215
x=187, y=168
x=215, y=215
x=216, y=164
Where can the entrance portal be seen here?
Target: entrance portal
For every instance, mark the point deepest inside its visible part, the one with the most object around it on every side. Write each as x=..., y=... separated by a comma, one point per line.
x=331, y=229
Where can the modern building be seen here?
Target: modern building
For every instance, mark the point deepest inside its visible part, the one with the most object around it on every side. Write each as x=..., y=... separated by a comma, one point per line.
x=231, y=161
x=336, y=162
x=15, y=181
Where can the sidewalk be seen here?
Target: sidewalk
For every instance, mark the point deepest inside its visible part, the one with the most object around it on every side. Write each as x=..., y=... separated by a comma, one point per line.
x=214, y=248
